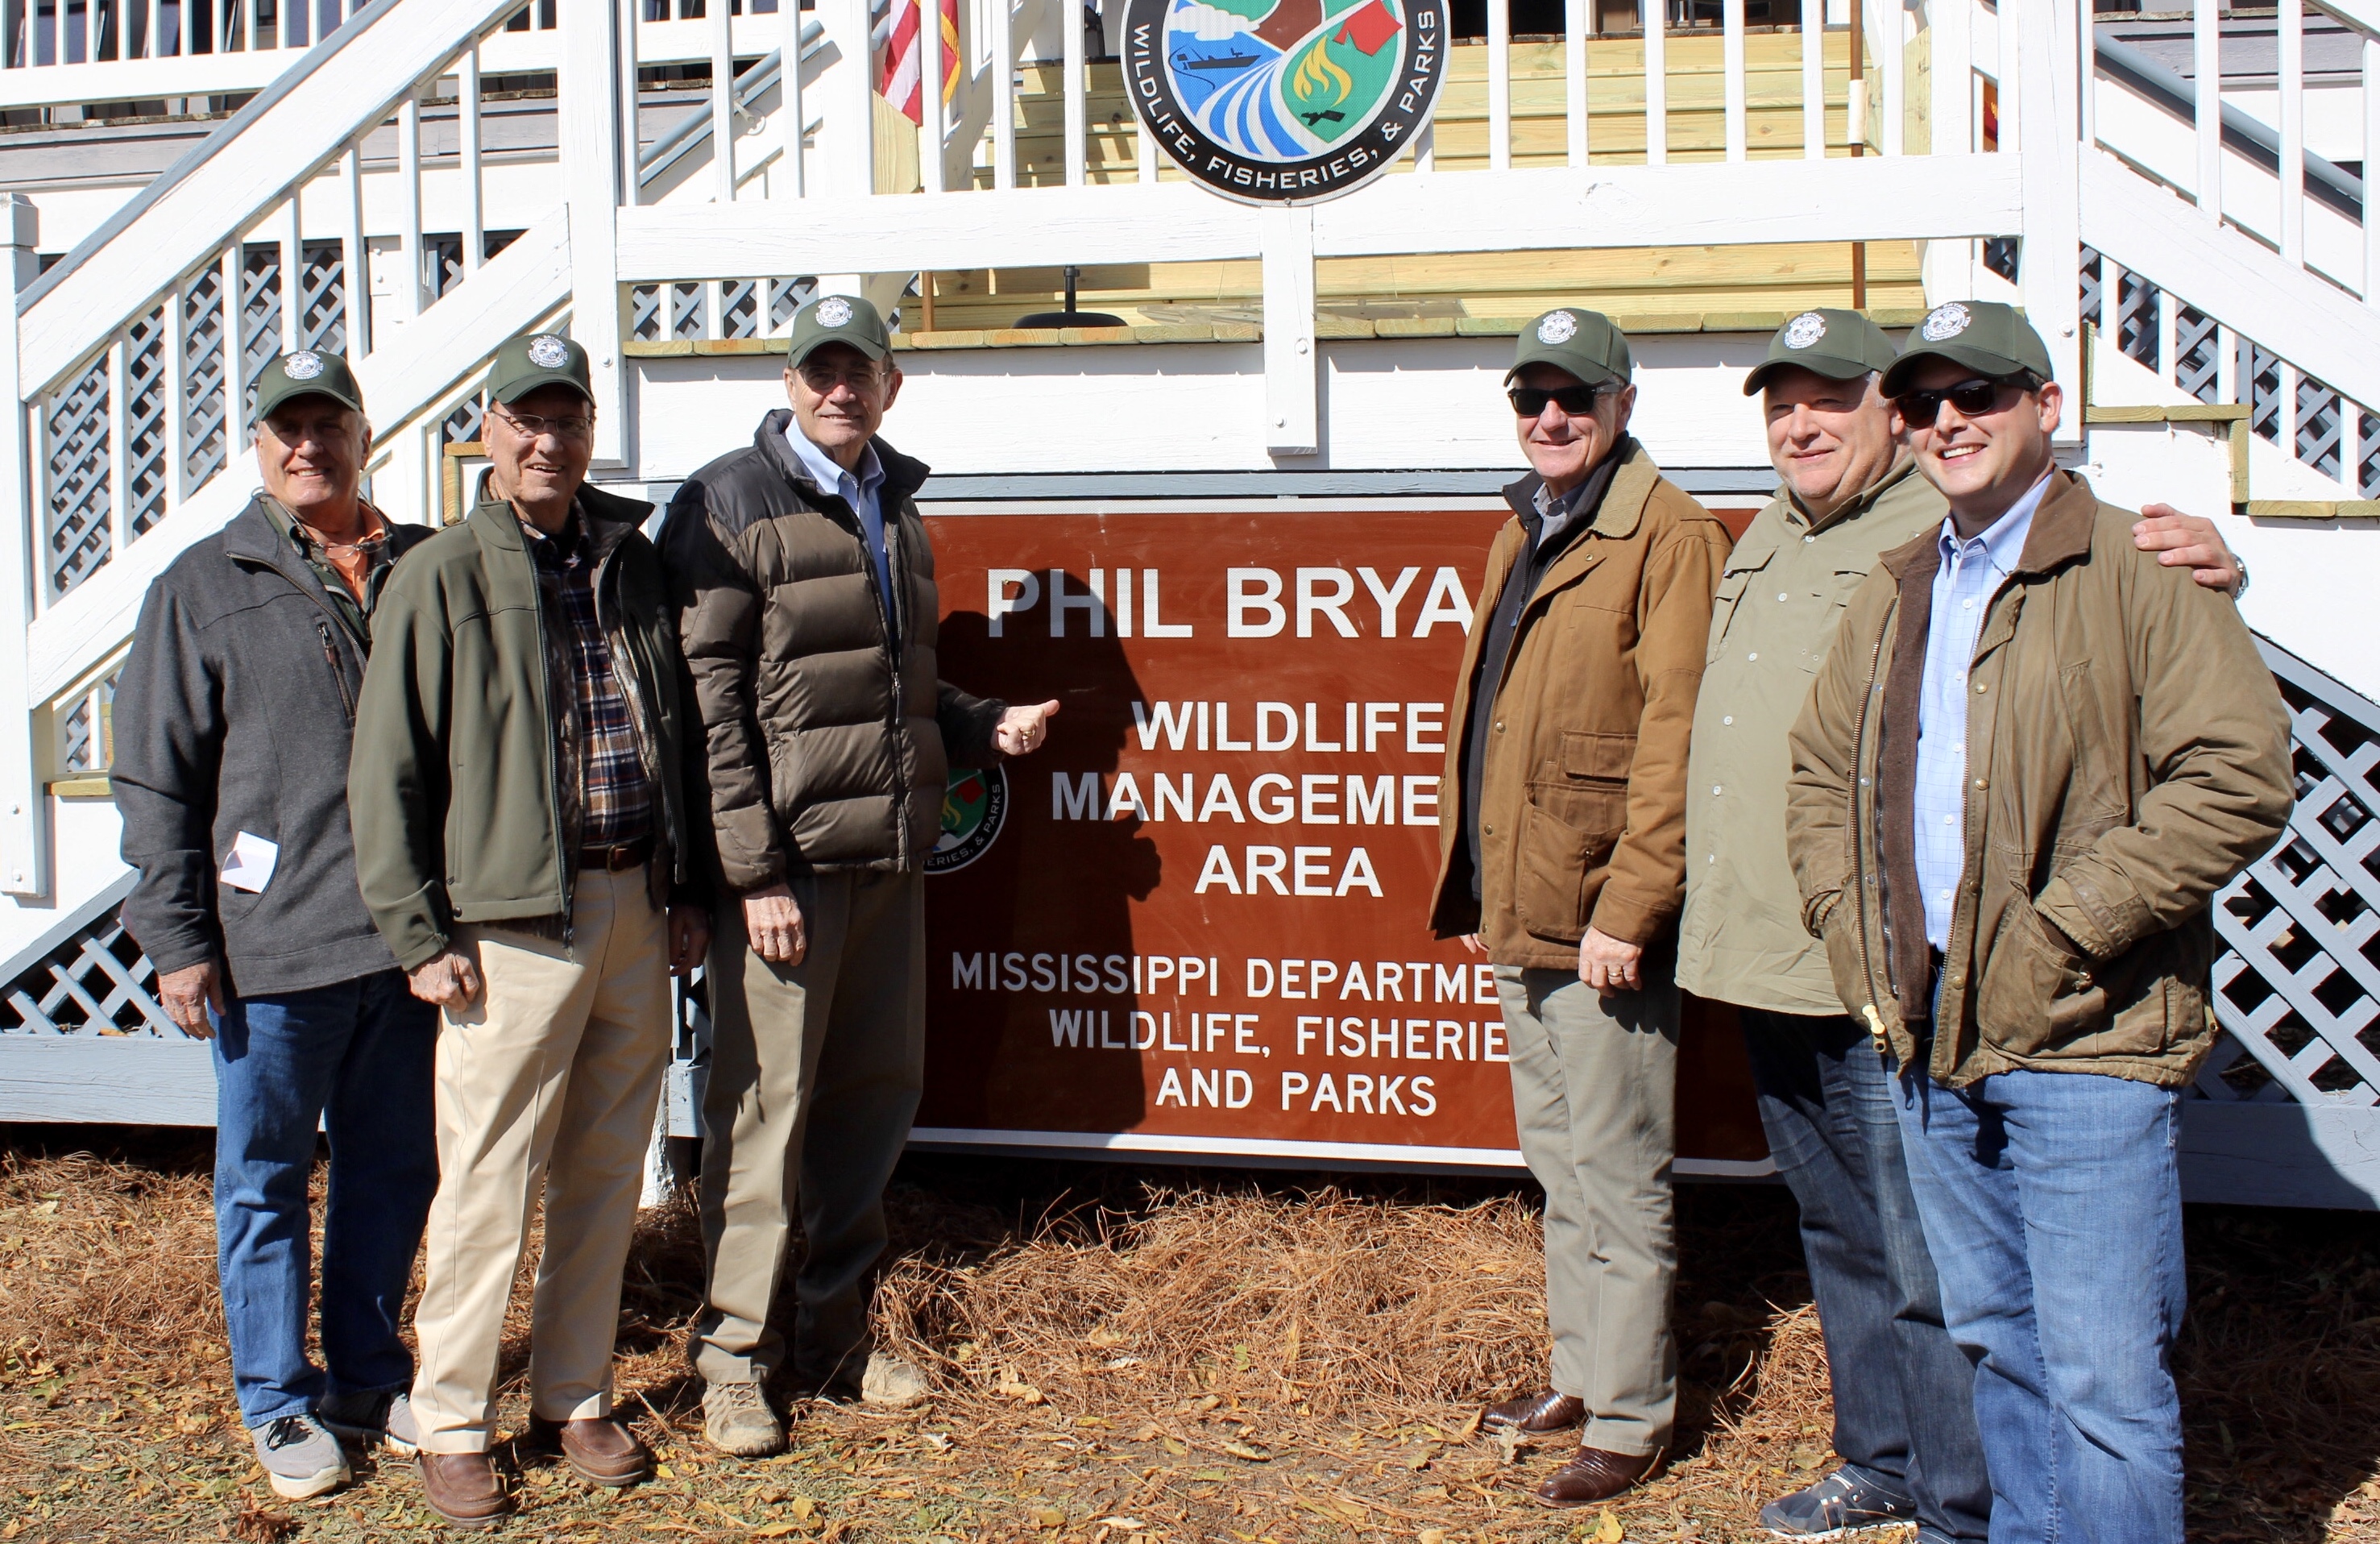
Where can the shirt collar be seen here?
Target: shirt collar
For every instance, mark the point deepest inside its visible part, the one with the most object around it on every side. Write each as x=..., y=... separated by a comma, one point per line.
x=823, y=468
x=2003, y=543
x=1851, y=508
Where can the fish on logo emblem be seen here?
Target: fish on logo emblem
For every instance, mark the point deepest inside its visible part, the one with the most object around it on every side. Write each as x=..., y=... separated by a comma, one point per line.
x=1805, y=330
x=1946, y=321
x=1558, y=327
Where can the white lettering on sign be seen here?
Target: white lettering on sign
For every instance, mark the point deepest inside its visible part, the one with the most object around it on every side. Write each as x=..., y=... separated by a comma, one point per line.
x=1288, y=871
x=1255, y=590
x=998, y=605
x=1329, y=729
x=1273, y=798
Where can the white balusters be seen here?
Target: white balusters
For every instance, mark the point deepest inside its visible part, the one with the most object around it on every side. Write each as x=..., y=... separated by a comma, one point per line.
x=933, y=133
x=292, y=278
x=354, y=254
x=2206, y=65
x=467, y=159
x=1814, y=79
x=1071, y=85
x=2370, y=62
x=1657, y=81
x=1732, y=67
x=234, y=353
x=119, y=451
x=410, y=258
x=1004, y=96
x=789, y=94
x=1892, y=54
x=2292, y=128
x=723, y=103
x=1500, y=85
x=175, y=384
x=1576, y=22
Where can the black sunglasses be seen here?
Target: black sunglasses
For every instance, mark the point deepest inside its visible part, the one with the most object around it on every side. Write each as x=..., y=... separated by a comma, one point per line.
x=1919, y=409
x=1577, y=401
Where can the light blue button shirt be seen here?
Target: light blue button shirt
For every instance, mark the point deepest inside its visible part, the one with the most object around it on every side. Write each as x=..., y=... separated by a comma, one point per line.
x=1971, y=572
x=860, y=491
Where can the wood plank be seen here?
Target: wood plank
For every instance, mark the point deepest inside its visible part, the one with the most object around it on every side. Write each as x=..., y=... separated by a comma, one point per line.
x=127, y=1079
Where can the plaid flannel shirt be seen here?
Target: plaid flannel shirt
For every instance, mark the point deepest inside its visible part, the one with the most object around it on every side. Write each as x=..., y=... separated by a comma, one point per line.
x=614, y=791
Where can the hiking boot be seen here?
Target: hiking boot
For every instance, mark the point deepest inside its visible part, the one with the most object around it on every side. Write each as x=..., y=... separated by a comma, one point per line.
x=300, y=1457
x=384, y=1419
x=738, y=1420
x=463, y=1488
x=1843, y=1502
x=891, y=1383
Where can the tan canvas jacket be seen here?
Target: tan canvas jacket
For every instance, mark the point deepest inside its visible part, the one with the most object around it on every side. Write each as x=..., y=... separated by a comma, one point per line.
x=1583, y=815
x=2127, y=755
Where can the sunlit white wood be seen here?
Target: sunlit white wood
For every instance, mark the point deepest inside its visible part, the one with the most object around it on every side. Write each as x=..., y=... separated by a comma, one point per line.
x=2371, y=90
x=723, y=105
x=467, y=159
x=1500, y=85
x=24, y=834
x=1732, y=67
x=2350, y=442
x=632, y=128
x=2206, y=68
x=138, y=80
x=2165, y=318
x=2226, y=364
x=155, y=33
x=1892, y=50
x=2084, y=42
x=520, y=285
x=2010, y=79
x=1071, y=86
x=355, y=255
x=2288, y=391
x=934, y=133
x=714, y=310
x=412, y=284
x=1657, y=81
x=235, y=361
x=174, y=383
x=1292, y=405
x=1004, y=96
x=1814, y=79
x=250, y=38
x=789, y=100
x=591, y=174
x=2047, y=31
x=1951, y=107
x=2292, y=128
x=293, y=277
x=119, y=456
x=1577, y=21
x=1425, y=151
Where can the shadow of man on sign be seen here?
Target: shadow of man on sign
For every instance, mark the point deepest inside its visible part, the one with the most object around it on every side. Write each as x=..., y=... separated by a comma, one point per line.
x=1033, y=1018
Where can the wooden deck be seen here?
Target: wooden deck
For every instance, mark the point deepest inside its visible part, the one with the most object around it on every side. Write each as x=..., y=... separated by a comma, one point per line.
x=1669, y=287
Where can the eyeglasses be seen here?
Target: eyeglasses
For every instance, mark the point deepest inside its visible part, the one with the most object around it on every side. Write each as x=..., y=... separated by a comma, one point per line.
x=1577, y=401
x=535, y=427
x=1919, y=409
x=823, y=378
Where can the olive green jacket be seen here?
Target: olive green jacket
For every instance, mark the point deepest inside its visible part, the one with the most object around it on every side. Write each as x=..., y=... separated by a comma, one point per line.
x=453, y=789
x=2128, y=755
x=1781, y=600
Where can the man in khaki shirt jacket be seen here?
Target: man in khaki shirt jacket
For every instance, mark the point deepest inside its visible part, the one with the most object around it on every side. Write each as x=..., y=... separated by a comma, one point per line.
x=1564, y=845
x=1904, y=1420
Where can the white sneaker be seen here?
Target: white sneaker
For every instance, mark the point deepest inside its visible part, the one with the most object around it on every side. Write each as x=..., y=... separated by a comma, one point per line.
x=300, y=1457
x=374, y=1420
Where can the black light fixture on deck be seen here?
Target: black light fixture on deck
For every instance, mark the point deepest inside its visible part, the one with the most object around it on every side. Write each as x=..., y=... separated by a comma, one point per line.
x=1069, y=317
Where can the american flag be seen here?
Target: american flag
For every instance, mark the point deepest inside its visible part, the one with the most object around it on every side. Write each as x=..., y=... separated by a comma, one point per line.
x=905, y=58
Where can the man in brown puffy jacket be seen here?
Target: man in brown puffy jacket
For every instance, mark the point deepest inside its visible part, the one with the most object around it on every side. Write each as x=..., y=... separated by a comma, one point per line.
x=1565, y=860
x=806, y=608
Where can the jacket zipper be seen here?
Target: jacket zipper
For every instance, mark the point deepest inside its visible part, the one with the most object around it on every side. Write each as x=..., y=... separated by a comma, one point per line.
x=902, y=771
x=1859, y=872
x=338, y=672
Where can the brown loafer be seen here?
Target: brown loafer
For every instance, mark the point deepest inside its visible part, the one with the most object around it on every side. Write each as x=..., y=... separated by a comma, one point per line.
x=1542, y=1412
x=1592, y=1474
x=463, y=1488
x=600, y=1449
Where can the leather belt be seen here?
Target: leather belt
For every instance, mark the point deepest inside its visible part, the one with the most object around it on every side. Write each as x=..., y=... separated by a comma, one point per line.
x=610, y=860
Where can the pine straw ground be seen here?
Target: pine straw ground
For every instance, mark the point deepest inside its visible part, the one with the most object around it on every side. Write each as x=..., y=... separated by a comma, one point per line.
x=1125, y=1355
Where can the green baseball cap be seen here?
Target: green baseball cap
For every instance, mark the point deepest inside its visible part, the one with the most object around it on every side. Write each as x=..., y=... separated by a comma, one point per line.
x=537, y=360
x=1985, y=335
x=1585, y=343
x=1840, y=345
x=307, y=372
x=844, y=319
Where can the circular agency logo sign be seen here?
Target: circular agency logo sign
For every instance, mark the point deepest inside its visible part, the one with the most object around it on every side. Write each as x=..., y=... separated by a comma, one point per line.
x=975, y=806
x=1284, y=102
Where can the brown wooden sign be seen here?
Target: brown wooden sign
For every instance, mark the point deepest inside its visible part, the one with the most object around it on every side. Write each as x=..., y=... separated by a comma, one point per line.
x=1193, y=922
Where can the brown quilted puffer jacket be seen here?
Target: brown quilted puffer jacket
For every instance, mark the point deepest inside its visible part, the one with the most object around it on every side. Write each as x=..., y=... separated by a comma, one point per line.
x=829, y=749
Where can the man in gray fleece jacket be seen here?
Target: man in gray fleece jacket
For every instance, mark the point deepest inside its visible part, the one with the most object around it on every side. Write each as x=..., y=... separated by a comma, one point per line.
x=232, y=724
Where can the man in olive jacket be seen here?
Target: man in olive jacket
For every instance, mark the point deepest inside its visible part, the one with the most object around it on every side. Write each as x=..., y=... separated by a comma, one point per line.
x=2031, y=760
x=806, y=609
x=528, y=831
x=1564, y=852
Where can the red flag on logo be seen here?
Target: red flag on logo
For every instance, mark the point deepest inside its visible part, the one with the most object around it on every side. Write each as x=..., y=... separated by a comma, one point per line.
x=1367, y=29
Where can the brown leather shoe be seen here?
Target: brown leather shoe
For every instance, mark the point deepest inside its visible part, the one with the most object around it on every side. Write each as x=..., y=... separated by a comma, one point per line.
x=463, y=1488
x=1592, y=1474
x=1543, y=1412
x=600, y=1448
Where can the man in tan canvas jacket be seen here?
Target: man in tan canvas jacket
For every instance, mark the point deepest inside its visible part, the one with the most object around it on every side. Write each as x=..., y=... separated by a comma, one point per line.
x=1564, y=844
x=2033, y=757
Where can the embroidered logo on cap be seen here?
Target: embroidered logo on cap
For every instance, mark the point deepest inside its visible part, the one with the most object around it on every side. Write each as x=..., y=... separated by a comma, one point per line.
x=833, y=311
x=548, y=352
x=1946, y=321
x=304, y=365
x=1560, y=327
x=1805, y=330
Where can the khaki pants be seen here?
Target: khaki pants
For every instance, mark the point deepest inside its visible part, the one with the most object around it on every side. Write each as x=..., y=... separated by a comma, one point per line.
x=548, y=1083
x=1594, y=1083
x=815, y=1072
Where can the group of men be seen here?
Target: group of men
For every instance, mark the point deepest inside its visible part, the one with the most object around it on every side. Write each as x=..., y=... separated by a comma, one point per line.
x=420, y=844
x=1932, y=776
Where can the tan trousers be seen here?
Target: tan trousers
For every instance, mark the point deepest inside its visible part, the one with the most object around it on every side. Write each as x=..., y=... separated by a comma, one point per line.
x=815, y=1072
x=1595, y=1085
x=547, y=1083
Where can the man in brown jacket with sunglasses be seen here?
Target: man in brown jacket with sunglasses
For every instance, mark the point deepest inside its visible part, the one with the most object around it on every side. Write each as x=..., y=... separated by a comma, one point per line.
x=1565, y=862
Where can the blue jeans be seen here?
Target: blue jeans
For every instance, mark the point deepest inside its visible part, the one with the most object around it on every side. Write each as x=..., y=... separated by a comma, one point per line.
x=2053, y=1205
x=1904, y=1401
x=355, y=1058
